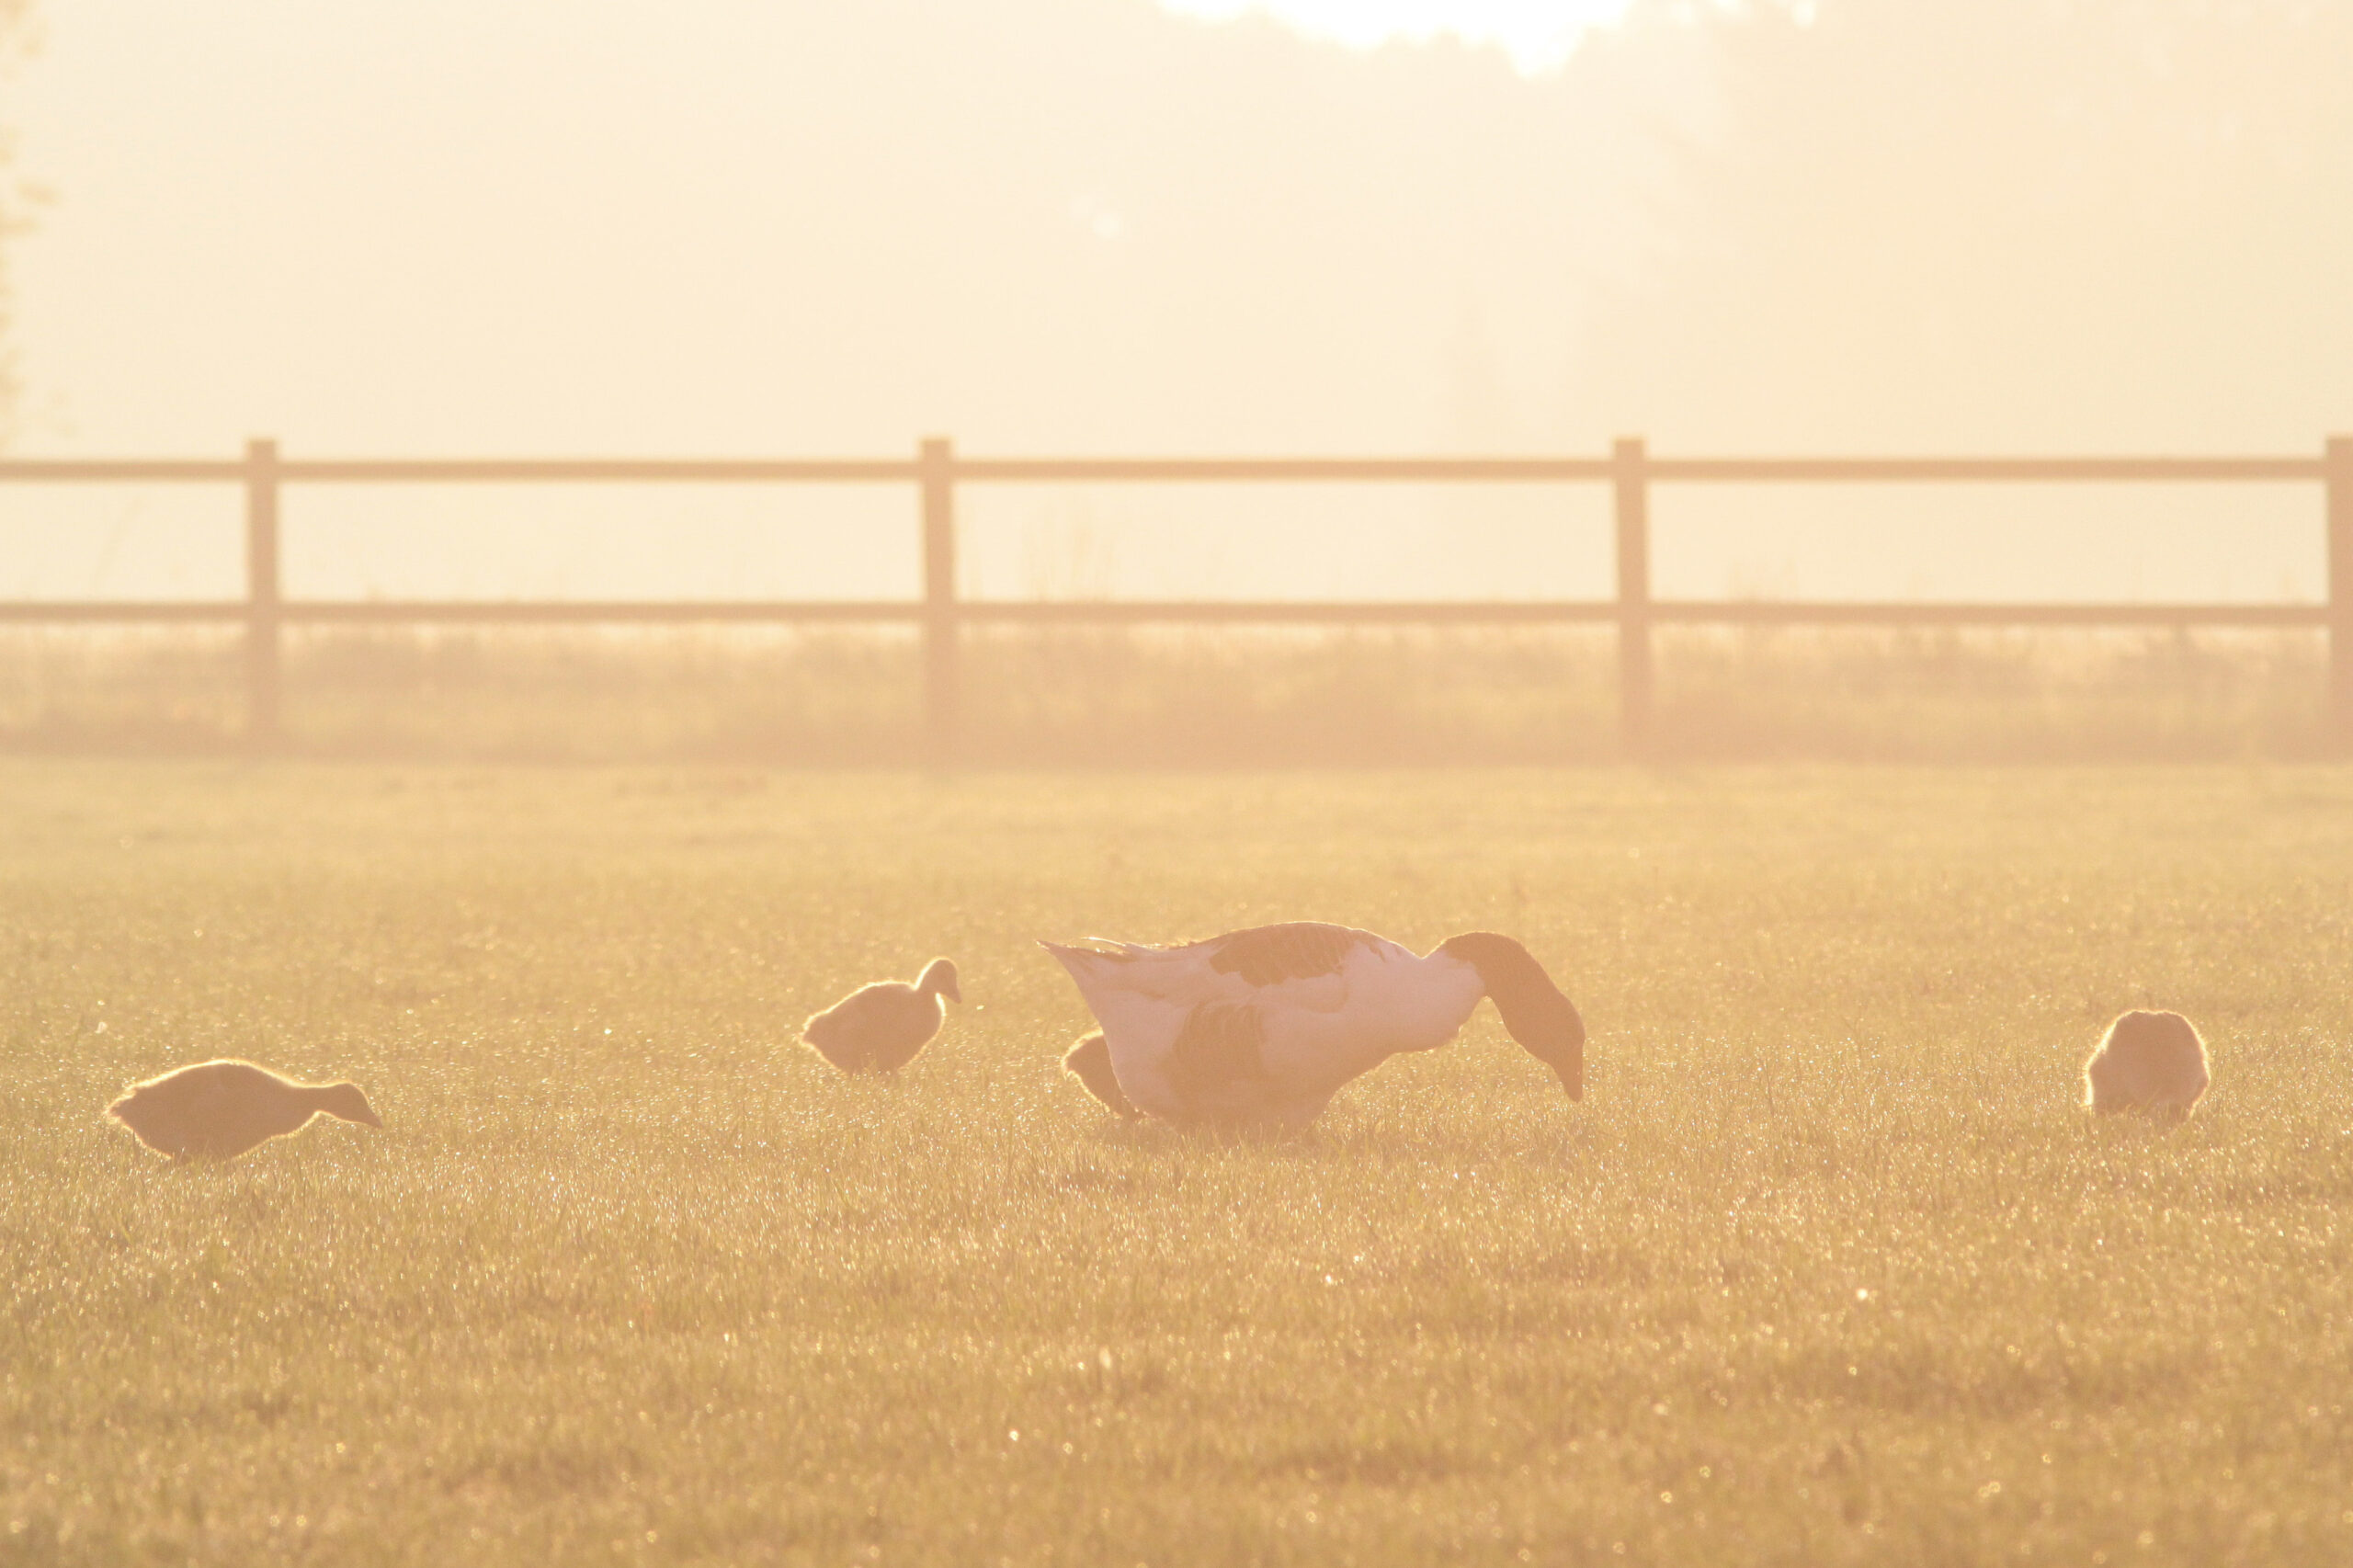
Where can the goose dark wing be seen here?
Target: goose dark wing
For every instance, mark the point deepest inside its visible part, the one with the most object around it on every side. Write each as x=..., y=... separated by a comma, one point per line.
x=1270, y=955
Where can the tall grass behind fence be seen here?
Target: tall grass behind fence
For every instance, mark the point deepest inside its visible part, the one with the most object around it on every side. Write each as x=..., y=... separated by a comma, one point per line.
x=1092, y=697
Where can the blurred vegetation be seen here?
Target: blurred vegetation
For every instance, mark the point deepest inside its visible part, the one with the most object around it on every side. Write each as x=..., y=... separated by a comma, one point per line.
x=18, y=199
x=1182, y=698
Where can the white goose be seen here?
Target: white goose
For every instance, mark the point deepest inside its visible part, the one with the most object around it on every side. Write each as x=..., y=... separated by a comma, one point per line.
x=1265, y=1024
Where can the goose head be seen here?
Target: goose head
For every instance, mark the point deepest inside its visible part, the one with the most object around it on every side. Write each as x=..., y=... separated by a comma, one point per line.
x=1543, y=1020
x=939, y=979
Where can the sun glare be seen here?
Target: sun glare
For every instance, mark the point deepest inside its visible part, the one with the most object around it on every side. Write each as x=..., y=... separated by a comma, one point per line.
x=1537, y=34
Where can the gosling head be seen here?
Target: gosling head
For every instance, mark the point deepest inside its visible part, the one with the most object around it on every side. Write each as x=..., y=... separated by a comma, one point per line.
x=939, y=979
x=345, y=1100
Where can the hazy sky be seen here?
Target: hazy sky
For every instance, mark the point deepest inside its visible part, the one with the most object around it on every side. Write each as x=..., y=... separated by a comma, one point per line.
x=555, y=226
x=1536, y=33
x=788, y=226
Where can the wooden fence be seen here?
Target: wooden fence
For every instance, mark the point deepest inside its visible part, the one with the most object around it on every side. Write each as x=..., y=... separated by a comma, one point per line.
x=937, y=470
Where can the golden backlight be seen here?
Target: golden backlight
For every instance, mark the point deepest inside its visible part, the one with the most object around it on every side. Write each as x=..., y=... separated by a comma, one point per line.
x=648, y=917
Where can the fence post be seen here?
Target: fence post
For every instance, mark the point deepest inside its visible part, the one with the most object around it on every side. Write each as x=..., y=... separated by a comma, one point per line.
x=261, y=592
x=1631, y=482
x=937, y=459
x=2340, y=591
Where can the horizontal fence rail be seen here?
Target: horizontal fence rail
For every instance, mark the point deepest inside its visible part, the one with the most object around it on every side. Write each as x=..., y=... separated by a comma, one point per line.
x=940, y=615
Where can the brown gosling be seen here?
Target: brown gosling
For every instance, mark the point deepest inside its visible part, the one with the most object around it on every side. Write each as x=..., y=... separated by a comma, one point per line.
x=1089, y=1062
x=217, y=1110
x=882, y=1028
x=2152, y=1062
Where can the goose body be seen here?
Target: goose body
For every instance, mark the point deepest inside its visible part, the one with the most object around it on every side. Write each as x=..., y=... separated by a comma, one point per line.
x=880, y=1027
x=2147, y=1061
x=218, y=1110
x=1264, y=1025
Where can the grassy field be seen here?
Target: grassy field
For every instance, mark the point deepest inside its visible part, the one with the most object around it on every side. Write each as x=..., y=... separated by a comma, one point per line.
x=1828, y=1267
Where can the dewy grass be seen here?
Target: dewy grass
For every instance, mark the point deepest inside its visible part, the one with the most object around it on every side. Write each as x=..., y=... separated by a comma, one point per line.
x=1828, y=1266
x=1183, y=697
